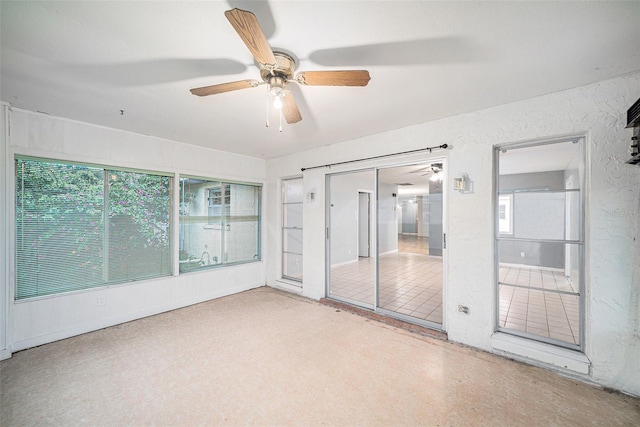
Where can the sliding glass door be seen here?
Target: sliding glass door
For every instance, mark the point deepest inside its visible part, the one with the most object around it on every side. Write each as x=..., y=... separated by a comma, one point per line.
x=410, y=242
x=385, y=240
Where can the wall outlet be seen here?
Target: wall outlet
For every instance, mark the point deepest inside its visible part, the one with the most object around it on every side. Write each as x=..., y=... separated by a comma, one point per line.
x=521, y=254
x=101, y=300
x=463, y=309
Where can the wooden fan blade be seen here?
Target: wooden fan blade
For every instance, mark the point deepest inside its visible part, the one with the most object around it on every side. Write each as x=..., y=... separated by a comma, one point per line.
x=290, y=109
x=224, y=87
x=246, y=25
x=334, y=78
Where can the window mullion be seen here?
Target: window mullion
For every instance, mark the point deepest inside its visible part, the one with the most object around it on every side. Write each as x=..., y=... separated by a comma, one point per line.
x=105, y=226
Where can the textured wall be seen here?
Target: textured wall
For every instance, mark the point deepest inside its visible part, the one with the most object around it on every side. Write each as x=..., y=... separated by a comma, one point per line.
x=597, y=111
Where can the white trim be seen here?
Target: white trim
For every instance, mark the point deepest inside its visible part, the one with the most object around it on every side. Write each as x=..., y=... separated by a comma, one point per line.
x=5, y=248
x=288, y=285
x=538, y=353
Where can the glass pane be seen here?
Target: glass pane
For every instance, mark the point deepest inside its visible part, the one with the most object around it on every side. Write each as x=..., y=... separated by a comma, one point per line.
x=410, y=242
x=292, y=241
x=542, y=313
x=292, y=266
x=242, y=230
x=219, y=223
x=59, y=228
x=200, y=240
x=138, y=235
x=292, y=190
x=292, y=215
x=532, y=254
x=544, y=265
x=539, y=215
x=540, y=167
x=351, y=276
x=573, y=213
x=242, y=242
x=292, y=211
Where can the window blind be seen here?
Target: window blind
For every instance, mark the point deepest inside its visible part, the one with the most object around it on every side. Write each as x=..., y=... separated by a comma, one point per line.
x=80, y=226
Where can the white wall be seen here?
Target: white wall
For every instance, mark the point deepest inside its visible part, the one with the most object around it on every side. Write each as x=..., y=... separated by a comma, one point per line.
x=387, y=217
x=344, y=214
x=38, y=321
x=613, y=199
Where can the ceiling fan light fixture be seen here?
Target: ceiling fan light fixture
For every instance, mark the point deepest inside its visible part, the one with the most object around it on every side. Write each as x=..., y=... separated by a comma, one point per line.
x=277, y=102
x=277, y=93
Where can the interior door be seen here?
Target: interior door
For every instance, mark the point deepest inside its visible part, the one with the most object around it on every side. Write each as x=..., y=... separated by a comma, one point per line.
x=409, y=215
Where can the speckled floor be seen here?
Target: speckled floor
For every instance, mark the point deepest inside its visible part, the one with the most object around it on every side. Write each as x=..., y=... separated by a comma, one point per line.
x=265, y=357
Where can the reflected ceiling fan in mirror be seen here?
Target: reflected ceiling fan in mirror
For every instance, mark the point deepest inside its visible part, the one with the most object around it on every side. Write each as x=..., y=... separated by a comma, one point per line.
x=277, y=70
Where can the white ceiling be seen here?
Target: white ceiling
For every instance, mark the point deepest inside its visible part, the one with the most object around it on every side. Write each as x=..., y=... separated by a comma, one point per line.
x=89, y=60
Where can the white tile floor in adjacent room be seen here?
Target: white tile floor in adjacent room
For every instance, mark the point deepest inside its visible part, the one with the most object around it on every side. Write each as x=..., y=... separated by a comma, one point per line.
x=410, y=280
x=411, y=284
x=545, y=313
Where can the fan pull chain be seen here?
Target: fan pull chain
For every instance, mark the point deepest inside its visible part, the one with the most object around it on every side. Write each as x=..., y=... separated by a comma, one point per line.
x=267, y=123
x=280, y=120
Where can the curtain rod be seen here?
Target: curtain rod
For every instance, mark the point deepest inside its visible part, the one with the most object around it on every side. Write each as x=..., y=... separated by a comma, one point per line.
x=430, y=149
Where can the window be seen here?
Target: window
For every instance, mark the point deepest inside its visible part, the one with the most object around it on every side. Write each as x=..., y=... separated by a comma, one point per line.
x=505, y=218
x=220, y=223
x=292, y=191
x=540, y=241
x=81, y=226
x=216, y=195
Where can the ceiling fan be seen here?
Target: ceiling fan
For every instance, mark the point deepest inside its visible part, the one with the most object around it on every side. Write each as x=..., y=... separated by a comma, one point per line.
x=277, y=69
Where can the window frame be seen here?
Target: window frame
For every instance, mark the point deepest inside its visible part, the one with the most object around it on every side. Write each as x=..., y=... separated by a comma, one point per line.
x=284, y=227
x=579, y=242
x=224, y=224
x=175, y=211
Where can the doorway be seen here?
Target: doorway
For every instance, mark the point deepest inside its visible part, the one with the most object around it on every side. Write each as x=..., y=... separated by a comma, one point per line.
x=393, y=264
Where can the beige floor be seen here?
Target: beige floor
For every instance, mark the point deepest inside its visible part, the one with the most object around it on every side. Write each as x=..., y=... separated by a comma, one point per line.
x=268, y=358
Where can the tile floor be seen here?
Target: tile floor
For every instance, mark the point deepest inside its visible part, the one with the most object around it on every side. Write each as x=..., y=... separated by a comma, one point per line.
x=410, y=280
x=411, y=284
x=542, y=312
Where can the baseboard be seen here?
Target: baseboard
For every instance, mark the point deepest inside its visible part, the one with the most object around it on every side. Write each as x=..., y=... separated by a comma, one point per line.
x=5, y=354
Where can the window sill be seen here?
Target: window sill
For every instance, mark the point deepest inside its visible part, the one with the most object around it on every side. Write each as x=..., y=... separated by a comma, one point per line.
x=288, y=285
x=540, y=353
